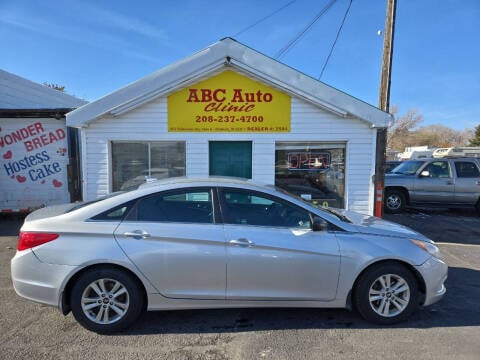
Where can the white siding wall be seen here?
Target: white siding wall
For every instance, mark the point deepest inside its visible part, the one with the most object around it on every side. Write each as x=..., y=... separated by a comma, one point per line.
x=308, y=123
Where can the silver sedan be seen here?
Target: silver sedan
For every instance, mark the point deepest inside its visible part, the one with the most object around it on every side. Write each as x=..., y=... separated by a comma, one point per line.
x=219, y=243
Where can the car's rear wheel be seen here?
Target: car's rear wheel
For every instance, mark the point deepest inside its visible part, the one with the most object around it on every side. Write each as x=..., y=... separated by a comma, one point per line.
x=394, y=201
x=106, y=300
x=386, y=294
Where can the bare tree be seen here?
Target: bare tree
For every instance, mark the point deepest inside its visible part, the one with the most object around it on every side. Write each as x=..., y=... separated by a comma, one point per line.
x=401, y=132
x=442, y=136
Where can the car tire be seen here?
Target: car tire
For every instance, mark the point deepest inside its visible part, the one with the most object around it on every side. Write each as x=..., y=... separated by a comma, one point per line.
x=394, y=201
x=106, y=300
x=386, y=294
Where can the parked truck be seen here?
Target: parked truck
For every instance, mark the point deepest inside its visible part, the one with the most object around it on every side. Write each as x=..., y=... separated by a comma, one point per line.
x=446, y=182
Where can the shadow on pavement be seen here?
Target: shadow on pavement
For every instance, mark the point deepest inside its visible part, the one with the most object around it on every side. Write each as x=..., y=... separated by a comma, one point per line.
x=459, y=307
x=458, y=226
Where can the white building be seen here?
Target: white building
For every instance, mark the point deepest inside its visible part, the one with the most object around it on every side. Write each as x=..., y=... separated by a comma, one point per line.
x=230, y=110
x=37, y=151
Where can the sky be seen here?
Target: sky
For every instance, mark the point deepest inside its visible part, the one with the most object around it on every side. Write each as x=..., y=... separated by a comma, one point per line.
x=96, y=47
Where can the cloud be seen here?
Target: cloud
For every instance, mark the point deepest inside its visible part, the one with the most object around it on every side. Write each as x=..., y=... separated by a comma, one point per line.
x=55, y=30
x=138, y=55
x=76, y=30
x=118, y=21
x=17, y=23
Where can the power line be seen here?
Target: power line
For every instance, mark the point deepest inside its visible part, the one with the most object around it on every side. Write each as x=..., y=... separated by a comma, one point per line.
x=264, y=18
x=336, y=38
x=293, y=42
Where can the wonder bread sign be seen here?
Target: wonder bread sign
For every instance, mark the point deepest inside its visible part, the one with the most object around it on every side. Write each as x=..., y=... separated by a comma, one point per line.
x=229, y=102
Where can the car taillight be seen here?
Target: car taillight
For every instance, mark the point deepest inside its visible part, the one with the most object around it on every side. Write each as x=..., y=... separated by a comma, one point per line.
x=27, y=240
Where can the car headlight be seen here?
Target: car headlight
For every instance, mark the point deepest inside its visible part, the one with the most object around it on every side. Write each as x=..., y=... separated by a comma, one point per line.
x=428, y=247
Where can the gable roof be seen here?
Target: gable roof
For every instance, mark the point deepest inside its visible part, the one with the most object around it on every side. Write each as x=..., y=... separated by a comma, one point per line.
x=227, y=53
x=17, y=93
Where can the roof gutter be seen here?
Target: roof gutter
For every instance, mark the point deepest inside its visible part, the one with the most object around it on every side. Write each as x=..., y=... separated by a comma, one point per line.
x=58, y=113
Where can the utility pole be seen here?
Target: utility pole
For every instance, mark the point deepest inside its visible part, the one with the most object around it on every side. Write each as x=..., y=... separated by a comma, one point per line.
x=384, y=104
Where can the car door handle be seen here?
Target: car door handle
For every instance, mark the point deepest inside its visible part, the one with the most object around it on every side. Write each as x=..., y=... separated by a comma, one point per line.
x=137, y=234
x=242, y=243
x=449, y=182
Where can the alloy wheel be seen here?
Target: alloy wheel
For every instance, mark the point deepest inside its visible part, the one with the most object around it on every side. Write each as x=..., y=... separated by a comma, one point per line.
x=105, y=301
x=394, y=202
x=389, y=295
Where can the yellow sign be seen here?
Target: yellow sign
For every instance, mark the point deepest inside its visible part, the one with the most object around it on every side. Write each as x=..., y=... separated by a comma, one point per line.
x=229, y=102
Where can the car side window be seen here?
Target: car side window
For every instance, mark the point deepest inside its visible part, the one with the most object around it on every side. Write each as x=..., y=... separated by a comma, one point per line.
x=466, y=169
x=252, y=208
x=114, y=214
x=438, y=169
x=184, y=205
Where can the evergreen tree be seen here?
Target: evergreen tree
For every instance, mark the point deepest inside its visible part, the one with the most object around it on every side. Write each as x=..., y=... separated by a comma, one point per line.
x=475, y=141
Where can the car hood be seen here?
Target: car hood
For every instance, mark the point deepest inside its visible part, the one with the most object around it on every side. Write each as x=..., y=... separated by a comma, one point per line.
x=375, y=226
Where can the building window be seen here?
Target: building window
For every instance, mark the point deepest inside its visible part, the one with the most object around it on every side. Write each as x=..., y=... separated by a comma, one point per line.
x=134, y=162
x=313, y=170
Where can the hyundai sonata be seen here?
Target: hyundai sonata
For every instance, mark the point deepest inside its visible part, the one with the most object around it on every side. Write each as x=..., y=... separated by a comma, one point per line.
x=218, y=243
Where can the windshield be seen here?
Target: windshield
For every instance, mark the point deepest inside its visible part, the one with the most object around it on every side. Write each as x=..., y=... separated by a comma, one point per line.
x=408, y=167
x=336, y=212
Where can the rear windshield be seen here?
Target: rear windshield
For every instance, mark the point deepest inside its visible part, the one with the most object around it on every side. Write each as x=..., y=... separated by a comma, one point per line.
x=86, y=203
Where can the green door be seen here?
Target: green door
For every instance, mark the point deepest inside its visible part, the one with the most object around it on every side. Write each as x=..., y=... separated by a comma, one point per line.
x=231, y=158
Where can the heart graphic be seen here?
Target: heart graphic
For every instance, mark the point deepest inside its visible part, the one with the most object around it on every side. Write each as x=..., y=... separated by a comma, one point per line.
x=57, y=183
x=21, y=179
x=8, y=154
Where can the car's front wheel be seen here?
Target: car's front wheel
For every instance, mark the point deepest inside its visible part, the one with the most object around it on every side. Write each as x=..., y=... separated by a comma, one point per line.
x=106, y=300
x=394, y=201
x=386, y=294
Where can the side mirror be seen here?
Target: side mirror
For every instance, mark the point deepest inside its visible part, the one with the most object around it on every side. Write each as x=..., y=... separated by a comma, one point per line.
x=319, y=224
x=425, y=173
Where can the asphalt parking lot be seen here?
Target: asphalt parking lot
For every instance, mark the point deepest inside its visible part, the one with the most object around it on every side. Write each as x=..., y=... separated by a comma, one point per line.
x=448, y=329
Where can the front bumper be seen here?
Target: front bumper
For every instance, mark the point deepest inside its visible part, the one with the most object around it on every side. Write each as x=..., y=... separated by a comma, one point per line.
x=36, y=280
x=434, y=272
